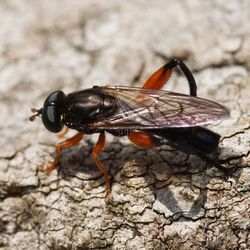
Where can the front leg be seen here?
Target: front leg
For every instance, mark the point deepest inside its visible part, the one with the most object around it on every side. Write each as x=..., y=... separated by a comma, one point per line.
x=60, y=146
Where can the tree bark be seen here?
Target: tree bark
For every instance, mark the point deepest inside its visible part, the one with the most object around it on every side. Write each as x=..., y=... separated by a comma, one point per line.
x=162, y=198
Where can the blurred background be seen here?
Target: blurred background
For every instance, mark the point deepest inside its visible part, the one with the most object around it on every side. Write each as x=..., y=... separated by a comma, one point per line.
x=71, y=45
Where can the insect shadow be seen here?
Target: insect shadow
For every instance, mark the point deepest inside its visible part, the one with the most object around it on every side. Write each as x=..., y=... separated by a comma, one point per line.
x=163, y=169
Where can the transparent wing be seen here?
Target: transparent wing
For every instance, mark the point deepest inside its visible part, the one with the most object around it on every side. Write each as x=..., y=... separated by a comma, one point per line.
x=149, y=109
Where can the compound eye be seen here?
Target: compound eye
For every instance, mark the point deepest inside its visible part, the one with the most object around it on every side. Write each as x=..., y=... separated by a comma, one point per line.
x=51, y=112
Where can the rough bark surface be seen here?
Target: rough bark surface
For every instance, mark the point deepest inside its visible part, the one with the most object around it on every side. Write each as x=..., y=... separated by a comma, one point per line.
x=162, y=198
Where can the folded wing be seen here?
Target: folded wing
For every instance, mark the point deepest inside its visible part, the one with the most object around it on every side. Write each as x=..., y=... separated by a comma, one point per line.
x=150, y=109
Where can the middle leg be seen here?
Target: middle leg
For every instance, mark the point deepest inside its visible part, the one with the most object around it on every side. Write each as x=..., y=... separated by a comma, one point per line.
x=98, y=149
x=143, y=139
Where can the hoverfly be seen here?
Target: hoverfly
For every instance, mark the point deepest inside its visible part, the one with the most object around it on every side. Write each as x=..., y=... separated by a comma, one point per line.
x=146, y=115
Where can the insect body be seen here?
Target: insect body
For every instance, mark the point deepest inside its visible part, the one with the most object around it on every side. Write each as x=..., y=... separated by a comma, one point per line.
x=146, y=115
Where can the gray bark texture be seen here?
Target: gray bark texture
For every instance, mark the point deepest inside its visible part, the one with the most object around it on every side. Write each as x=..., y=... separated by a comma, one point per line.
x=162, y=198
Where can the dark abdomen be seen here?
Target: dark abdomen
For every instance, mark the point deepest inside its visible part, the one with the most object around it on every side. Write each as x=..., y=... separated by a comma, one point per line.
x=190, y=139
x=204, y=139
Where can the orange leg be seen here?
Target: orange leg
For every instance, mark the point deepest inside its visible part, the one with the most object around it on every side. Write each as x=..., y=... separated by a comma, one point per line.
x=155, y=81
x=97, y=149
x=142, y=139
x=64, y=144
x=160, y=77
x=63, y=132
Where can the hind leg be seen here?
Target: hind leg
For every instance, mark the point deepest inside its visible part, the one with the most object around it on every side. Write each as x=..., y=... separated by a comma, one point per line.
x=158, y=79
